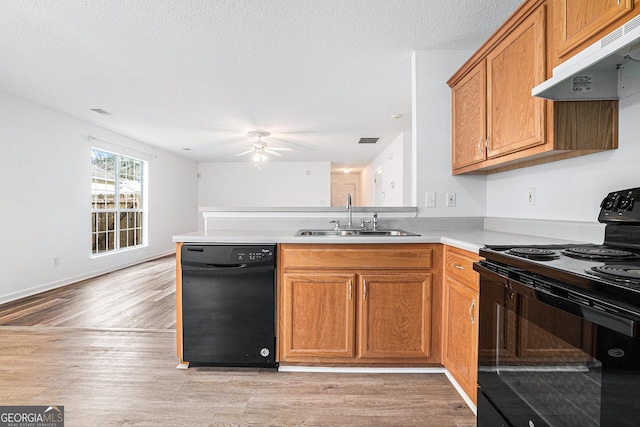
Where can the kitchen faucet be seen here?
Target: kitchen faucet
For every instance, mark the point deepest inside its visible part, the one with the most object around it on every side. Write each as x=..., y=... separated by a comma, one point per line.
x=349, y=209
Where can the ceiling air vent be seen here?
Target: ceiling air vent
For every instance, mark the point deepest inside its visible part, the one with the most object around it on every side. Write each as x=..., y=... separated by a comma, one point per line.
x=100, y=111
x=368, y=140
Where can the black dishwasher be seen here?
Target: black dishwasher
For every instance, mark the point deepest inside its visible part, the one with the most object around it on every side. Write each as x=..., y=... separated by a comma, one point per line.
x=228, y=305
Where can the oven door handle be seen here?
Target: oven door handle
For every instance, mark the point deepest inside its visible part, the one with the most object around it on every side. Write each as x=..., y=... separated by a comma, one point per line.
x=477, y=266
x=614, y=321
x=626, y=325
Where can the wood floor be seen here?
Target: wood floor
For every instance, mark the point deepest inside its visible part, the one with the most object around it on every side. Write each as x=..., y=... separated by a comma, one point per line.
x=105, y=350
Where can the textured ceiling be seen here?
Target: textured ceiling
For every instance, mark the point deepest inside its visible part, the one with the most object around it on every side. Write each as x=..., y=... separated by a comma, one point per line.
x=318, y=74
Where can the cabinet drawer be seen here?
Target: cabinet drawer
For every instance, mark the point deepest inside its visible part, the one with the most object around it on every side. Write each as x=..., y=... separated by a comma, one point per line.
x=459, y=264
x=384, y=256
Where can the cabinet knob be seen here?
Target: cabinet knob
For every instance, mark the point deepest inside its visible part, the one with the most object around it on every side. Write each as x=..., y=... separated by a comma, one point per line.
x=458, y=266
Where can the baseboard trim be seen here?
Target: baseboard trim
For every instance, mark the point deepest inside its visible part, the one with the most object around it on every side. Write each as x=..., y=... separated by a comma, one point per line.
x=361, y=370
x=461, y=392
x=77, y=278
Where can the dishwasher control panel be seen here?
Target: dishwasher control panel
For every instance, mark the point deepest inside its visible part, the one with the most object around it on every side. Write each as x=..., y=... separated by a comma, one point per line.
x=227, y=256
x=249, y=254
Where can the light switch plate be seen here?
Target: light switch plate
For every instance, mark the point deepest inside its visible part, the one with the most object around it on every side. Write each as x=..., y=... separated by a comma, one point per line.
x=430, y=199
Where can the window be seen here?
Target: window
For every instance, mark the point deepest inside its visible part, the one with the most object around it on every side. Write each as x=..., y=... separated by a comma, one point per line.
x=117, y=211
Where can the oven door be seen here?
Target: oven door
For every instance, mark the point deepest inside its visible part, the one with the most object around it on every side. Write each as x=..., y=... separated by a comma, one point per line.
x=543, y=360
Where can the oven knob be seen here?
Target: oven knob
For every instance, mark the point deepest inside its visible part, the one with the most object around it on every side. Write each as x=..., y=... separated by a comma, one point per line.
x=609, y=202
x=626, y=203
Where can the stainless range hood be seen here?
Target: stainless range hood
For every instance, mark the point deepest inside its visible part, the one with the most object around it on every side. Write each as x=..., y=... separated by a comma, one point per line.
x=608, y=69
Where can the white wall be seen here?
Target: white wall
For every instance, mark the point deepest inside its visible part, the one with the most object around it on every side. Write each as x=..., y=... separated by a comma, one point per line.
x=45, y=171
x=275, y=184
x=571, y=189
x=396, y=181
x=432, y=137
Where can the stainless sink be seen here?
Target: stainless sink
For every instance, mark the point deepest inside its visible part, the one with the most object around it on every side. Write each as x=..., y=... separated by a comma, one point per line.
x=383, y=233
x=324, y=233
x=380, y=232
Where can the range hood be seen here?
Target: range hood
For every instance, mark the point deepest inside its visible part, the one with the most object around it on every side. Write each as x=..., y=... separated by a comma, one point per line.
x=608, y=69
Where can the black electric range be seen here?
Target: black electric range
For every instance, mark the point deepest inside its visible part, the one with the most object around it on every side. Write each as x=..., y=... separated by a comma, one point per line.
x=611, y=269
x=559, y=327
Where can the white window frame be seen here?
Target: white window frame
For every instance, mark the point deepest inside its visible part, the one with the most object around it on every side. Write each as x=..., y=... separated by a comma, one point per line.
x=116, y=210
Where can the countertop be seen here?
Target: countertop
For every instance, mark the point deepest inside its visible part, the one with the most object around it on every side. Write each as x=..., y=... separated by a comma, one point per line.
x=470, y=240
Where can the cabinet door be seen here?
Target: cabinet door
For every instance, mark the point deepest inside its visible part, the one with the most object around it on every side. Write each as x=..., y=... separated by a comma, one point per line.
x=461, y=335
x=317, y=319
x=469, y=118
x=582, y=19
x=394, y=316
x=515, y=118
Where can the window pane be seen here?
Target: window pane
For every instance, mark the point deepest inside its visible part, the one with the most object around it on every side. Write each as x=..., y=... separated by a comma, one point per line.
x=116, y=201
x=103, y=178
x=111, y=240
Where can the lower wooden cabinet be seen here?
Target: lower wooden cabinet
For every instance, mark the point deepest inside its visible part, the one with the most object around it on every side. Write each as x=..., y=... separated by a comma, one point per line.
x=394, y=316
x=359, y=313
x=318, y=316
x=461, y=294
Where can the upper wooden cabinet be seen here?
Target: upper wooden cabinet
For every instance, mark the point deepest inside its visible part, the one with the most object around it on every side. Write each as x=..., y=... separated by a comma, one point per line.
x=515, y=118
x=521, y=130
x=582, y=22
x=492, y=108
x=469, y=118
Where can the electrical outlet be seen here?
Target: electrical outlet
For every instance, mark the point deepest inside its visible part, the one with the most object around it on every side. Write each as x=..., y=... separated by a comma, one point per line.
x=55, y=262
x=430, y=200
x=531, y=196
x=451, y=199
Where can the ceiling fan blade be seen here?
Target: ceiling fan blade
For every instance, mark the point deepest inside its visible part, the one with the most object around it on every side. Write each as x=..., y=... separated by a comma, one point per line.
x=244, y=152
x=294, y=144
x=280, y=149
x=270, y=151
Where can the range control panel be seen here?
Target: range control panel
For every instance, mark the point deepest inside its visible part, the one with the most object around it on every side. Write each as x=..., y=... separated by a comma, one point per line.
x=251, y=254
x=621, y=206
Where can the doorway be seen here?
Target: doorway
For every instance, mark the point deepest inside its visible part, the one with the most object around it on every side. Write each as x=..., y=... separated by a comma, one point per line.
x=339, y=194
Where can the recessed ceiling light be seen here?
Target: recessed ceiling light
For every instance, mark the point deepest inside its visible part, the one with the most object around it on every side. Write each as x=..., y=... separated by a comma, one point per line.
x=100, y=111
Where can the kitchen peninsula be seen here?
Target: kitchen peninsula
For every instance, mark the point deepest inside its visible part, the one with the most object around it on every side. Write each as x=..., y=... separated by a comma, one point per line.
x=383, y=301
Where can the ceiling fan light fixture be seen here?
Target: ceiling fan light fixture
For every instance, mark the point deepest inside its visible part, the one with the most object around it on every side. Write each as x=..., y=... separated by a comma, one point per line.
x=261, y=149
x=259, y=156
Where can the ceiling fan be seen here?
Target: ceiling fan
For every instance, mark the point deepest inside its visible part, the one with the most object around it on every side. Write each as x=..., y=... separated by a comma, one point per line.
x=260, y=148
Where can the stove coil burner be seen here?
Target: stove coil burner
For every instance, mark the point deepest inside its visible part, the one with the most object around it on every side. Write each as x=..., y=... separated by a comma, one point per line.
x=599, y=253
x=537, y=254
x=627, y=273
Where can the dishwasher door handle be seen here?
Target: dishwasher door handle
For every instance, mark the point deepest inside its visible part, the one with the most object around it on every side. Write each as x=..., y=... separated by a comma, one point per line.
x=205, y=267
x=226, y=266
